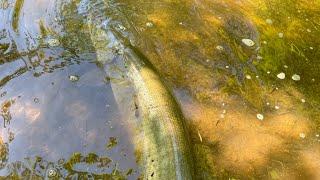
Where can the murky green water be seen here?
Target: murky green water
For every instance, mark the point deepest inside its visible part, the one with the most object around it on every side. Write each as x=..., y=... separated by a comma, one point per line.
x=252, y=111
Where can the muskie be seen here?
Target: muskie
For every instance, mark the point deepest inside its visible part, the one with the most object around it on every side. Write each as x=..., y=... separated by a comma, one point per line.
x=166, y=147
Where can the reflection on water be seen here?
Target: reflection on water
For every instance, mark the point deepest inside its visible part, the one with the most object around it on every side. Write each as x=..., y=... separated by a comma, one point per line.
x=221, y=84
x=49, y=121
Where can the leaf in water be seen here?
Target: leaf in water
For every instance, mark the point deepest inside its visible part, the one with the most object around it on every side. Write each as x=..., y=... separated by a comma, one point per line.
x=112, y=142
x=274, y=174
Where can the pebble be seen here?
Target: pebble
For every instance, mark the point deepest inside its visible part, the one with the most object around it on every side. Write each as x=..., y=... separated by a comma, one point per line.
x=280, y=35
x=295, y=77
x=285, y=66
x=221, y=115
x=248, y=42
x=276, y=107
x=248, y=76
x=303, y=100
x=220, y=48
x=302, y=135
x=149, y=24
x=259, y=57
x=269, y=21
x=260, y=116
x=281, y=75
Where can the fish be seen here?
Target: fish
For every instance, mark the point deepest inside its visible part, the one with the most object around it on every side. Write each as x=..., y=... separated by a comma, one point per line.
x=166, y=145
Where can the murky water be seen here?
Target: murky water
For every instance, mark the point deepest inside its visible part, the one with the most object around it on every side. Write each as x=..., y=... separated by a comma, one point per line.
x=252, y=110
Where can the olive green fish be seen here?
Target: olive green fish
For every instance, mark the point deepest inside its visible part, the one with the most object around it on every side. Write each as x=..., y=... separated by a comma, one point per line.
x=167, y=153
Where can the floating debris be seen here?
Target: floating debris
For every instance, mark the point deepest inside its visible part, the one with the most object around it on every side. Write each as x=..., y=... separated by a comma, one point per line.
x=11, y=136
x=280, y=35
x=200, y=136
x=74, y=78
x=269, y=21
x=53, y=42
x=303, y=100
x=112, y=142
x=248, y=76
x=260, y=116
x=302, y=135
x=220, y=48
x=295, y=77
x=248, y=42
x=276, y=107
x=149, y=24
x=281, y=75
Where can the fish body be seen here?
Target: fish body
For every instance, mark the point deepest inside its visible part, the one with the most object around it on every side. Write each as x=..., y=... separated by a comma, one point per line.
x=166, y=148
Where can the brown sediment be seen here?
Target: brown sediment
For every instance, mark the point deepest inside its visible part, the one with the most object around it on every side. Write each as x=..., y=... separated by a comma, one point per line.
x=241, y=144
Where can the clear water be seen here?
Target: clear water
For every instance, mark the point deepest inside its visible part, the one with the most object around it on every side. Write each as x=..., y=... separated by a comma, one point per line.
x=223, y=86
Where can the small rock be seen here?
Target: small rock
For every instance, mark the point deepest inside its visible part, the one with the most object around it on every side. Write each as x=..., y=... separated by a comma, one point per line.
x=295, y=77
x=248, y=42
x=280, y=35
x=149, y=24
x=308, y=30
x=302, y=135
x=285, y=66
x=259, y=57
x=269, y=21
x=220, y=48
x=303, y=100
x=276, y=107
x=222, y=116
x=260, y=116
x=248, y=76
x=281, y=75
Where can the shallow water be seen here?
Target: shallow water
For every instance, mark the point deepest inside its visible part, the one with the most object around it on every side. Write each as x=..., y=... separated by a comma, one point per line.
x=196, y=46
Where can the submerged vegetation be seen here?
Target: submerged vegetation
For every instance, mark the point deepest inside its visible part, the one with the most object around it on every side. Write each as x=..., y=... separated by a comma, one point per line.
x=245, y=74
